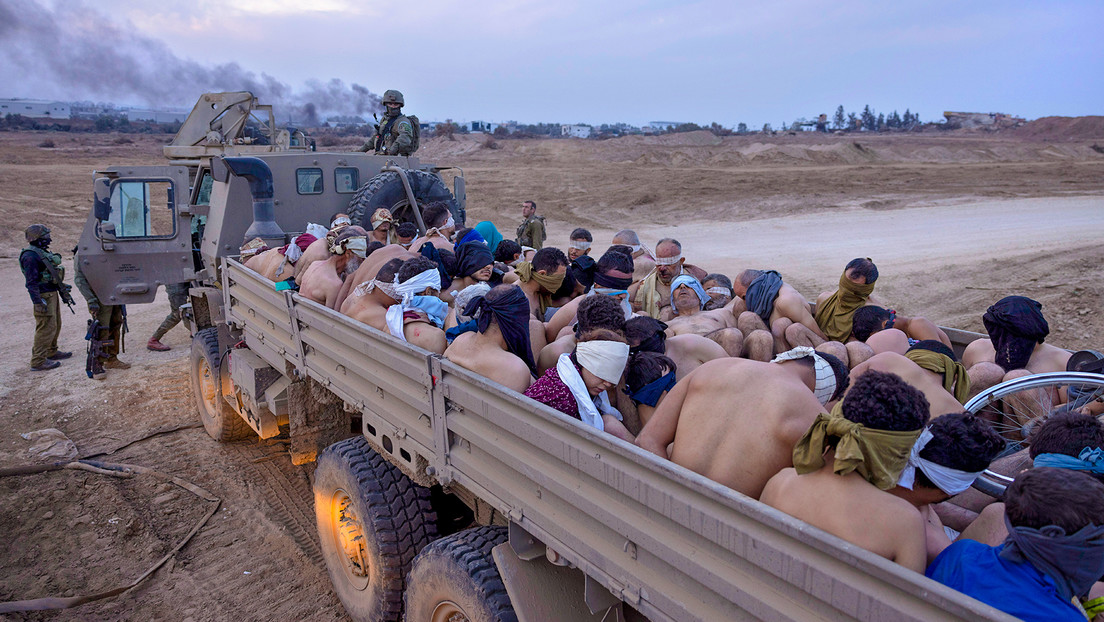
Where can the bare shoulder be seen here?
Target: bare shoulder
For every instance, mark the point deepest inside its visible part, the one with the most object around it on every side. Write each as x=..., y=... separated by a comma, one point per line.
x=977, y=351
x=459, y=347
x=514, y=373
x=774, y=492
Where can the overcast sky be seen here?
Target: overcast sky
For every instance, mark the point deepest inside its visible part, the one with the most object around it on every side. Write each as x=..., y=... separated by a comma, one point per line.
x=571, y=61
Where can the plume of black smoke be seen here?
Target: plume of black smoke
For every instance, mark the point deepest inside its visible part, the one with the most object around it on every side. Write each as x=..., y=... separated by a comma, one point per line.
x=75, y=52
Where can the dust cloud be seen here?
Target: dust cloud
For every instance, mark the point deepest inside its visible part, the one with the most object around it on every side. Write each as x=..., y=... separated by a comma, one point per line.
x=74, y=52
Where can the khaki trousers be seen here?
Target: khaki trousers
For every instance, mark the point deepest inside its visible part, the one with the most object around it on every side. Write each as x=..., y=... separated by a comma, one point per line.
x=47, y=329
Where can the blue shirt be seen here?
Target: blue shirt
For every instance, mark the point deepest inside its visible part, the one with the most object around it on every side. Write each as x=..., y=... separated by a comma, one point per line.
x=1018, y=589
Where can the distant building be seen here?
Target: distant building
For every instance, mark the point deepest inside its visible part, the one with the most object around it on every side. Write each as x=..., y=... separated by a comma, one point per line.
x=483, y=126
x=575, y=131
x=660, y=126
x=986, y=120
x=156, y=116
x=35, y=108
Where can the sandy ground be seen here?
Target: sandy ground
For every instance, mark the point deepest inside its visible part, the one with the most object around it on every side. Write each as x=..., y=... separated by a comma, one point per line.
x=954, y=221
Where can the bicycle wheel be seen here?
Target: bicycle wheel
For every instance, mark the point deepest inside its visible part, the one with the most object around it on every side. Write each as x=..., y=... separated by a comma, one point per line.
x=1017, y=406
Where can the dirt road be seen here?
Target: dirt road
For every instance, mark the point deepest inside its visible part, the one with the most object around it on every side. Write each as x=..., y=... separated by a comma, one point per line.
x=1023, y=217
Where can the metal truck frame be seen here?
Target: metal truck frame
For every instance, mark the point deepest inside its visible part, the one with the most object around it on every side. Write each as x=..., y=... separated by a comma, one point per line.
x=438, y=491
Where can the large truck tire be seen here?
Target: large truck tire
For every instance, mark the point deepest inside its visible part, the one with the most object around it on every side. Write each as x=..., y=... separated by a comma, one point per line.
x=207, y=375
x=457, y=575
x=372, y=522
x=386, y=190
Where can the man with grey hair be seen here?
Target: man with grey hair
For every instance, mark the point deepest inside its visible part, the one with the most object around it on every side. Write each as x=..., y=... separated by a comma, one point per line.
x=653, y=294
x=643, y=261
x=322, y=281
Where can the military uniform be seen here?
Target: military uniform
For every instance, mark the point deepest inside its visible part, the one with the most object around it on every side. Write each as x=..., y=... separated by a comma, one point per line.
x=111, y=318
x=178, y=296
x=45, y=281
x=531, y=232
x=395, y=135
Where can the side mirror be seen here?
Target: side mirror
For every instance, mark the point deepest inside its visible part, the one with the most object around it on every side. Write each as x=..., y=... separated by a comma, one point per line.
x=102, y=200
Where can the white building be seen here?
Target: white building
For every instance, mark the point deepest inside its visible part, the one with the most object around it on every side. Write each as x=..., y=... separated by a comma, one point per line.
x=575, y=131
x=156, y=116
x=484, y=126
x=35, y=108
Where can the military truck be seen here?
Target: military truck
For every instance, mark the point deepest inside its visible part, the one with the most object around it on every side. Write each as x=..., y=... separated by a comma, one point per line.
x=439, y=494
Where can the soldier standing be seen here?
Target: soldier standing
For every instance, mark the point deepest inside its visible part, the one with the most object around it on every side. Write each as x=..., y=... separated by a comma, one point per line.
x=111, y=322
x=531, y=230
x=178, y=296
x=395, y=133
x=46, y=284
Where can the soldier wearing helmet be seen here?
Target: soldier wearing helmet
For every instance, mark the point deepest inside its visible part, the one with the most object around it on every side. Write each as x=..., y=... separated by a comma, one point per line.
x=46, y=284
x=395, y=133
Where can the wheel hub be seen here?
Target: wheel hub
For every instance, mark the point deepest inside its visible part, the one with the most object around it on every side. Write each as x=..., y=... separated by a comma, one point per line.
x=207, y=384
x=448, y=611
x=349, y=534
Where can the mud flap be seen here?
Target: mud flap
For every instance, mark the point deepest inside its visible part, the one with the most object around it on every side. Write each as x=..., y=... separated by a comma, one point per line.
x=317, y=419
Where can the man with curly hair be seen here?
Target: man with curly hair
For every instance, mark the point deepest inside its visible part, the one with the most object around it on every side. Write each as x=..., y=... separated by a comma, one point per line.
x=735, y=421
x=847, y=461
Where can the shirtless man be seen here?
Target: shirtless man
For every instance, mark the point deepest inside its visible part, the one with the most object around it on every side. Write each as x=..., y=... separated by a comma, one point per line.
x=382, y=221
x=689, y=352
x=951, y=454
x=835, y=310
x=370, y=302
x=540, y=278
x=612, y=277
x=653, y=294
x=322, y=281
x=368, y=269
x=405, y=232
x=778, y=308
x=1015, y=347
x=591, y=312
x=643, y=261
x=720, y=291
x=940, y=400
x=474, y=264
x=736, y=421
x=885, y=331
x=498, y=349
x=879, y=421
x=578, y=244
x=719, y=324
x=441, y=225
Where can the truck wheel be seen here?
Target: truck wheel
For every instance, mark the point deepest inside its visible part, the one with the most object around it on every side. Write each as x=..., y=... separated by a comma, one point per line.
x=386, y=190
x=456, y=576
x=207, y=376
x=372, y=521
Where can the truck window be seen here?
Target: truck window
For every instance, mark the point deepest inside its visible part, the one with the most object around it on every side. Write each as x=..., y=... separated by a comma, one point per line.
x=143, y=209
x=203, y=197
x=346, y=179
x=308, y=180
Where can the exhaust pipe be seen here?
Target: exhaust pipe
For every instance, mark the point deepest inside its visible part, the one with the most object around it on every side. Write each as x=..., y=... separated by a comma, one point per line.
x=259, y=176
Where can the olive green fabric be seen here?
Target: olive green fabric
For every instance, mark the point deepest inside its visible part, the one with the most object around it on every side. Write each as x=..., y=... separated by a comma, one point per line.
x=47, y=329
x=835, y=314
x=878, y=455
x=548, y=283
x=531, y=232
x=955, y=380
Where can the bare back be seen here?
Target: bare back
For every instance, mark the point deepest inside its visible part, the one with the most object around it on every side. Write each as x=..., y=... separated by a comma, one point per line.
x=690, y=351
x=930, y=384
x=744, y=443
x=478, y=353
x=849, y=507
x=368, y=270
x=1045, y=358
x=321, y=283
x=318, y=250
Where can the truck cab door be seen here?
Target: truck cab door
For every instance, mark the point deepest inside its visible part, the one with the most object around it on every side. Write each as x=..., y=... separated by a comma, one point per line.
x=139, y=234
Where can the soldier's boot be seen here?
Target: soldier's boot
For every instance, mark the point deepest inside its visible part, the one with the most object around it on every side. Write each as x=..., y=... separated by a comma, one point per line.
x=59, y=355
x=98, y=371
x=47, y=364
x=155, y=345
x=113, y=362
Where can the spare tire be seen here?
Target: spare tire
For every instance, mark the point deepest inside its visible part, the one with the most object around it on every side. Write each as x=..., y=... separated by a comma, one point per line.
x=386, y=190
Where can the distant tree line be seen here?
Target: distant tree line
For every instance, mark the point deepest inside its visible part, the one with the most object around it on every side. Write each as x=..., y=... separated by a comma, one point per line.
x=102, y=124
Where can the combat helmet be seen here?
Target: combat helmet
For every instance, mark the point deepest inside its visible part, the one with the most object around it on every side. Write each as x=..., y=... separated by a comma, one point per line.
x=36, y=232
x=391, y=96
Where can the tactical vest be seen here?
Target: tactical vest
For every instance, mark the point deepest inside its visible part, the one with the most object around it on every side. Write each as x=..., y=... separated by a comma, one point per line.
x=49, y=260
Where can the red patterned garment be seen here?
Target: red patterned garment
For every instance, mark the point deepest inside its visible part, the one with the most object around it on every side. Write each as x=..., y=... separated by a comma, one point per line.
x=550, y=390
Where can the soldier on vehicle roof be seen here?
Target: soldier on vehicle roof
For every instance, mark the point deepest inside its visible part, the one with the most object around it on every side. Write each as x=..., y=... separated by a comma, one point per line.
x=395, y=134
x=46, y=284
